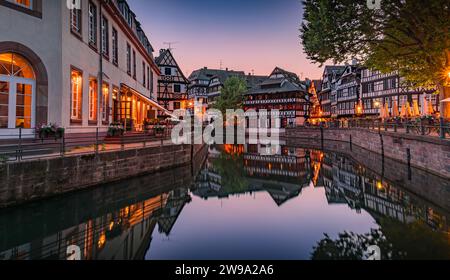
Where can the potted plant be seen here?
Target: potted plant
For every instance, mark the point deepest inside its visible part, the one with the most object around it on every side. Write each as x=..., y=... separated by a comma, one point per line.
x=159, y=129
x=49, y=131
x=115, y=129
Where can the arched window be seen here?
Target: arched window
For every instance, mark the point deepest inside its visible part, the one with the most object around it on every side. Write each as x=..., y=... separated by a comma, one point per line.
x=17, y=92
x=15, y=65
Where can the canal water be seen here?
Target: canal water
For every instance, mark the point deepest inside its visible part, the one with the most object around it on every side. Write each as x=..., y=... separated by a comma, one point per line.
x=242, y=203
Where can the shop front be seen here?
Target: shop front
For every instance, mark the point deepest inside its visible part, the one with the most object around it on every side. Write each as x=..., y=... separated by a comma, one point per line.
x=132, y=109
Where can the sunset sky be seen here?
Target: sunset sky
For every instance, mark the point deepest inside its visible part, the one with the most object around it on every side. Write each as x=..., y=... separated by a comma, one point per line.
x=244, y=34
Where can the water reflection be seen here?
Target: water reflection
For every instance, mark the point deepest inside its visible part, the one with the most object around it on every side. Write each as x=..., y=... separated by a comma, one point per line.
x=299, y=204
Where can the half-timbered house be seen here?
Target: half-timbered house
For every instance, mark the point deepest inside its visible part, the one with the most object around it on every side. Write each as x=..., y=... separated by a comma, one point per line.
x=172, y=84
x=282, y=91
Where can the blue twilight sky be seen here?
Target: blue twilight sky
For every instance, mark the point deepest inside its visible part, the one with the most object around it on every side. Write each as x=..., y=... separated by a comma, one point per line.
x=244, y=34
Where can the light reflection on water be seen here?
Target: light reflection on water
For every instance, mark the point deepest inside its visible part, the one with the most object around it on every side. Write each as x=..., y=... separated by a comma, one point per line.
x=241, y=205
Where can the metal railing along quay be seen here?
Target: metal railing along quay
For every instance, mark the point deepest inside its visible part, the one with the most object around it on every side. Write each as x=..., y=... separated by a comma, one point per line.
x=438, y=129
x=19, y=144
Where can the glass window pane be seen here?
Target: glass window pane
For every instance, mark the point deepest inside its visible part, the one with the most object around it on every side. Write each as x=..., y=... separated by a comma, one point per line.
x=23, y=106
x=4, y=99
x=3, y=110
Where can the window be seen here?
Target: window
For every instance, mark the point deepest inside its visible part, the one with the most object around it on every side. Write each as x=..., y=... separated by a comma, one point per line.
x=148, y=77
x=105, y=103
x=177, y=88
x=168, y=71
x=144, y=79
x=134, y=64
x=92, y=24
x=76, y=95
x=128, y=59
x=75, y=20
x=92, y=100
x=105, y=36
x=151, y=81
x=23, y=3
x=176, y=105
x=115, y=47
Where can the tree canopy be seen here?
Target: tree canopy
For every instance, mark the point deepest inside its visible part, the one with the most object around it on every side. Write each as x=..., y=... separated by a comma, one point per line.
x=231, y=95
x=408, y=36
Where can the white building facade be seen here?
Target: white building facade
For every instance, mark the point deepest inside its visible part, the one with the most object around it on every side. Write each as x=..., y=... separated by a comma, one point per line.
x=79, y=68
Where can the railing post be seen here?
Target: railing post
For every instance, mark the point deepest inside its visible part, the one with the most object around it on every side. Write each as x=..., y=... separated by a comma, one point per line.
x=441, y=128
x=96, y=141
x=395, y=126
x=407, y=127
x=63, y=145
x=19, y=148
x=122, y=145
x=422, y=128
x=385, y=125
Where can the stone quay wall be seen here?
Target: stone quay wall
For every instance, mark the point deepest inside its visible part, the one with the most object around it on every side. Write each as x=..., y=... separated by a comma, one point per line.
x=27, y=181
x=426, y=187
x=428, y=153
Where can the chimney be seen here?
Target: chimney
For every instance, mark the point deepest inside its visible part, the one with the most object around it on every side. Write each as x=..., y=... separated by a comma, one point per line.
x=206, y=68
x=226, y=69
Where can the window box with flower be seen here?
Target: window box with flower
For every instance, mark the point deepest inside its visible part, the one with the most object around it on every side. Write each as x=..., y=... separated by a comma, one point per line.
x=45, y=131
x=116, y=129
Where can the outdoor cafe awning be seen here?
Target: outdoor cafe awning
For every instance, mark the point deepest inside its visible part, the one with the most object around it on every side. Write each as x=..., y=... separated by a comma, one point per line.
x=147, y=99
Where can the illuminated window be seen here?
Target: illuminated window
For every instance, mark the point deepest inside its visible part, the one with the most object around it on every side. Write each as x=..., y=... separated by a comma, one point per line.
x=24, y=3
x=93, y=100
x=76, y=95
x=14, y=65
x=105, y=103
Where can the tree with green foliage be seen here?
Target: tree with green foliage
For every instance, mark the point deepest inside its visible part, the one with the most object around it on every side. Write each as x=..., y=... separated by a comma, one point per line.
x=411, y=37
x=231, y=95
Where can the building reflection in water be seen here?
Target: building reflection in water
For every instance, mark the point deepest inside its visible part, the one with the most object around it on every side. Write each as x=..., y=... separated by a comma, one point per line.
x=120, y=228
x=119, y=222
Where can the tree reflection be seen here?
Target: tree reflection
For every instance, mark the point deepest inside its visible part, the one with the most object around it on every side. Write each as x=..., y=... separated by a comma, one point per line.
x=397, y=241
x=230, y=166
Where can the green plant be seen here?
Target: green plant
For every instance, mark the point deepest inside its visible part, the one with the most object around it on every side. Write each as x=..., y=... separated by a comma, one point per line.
x=3, y=159
x=50, y=130
x=159, y=128
x=115, y=129
x=231, y=95
x=409, y=37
